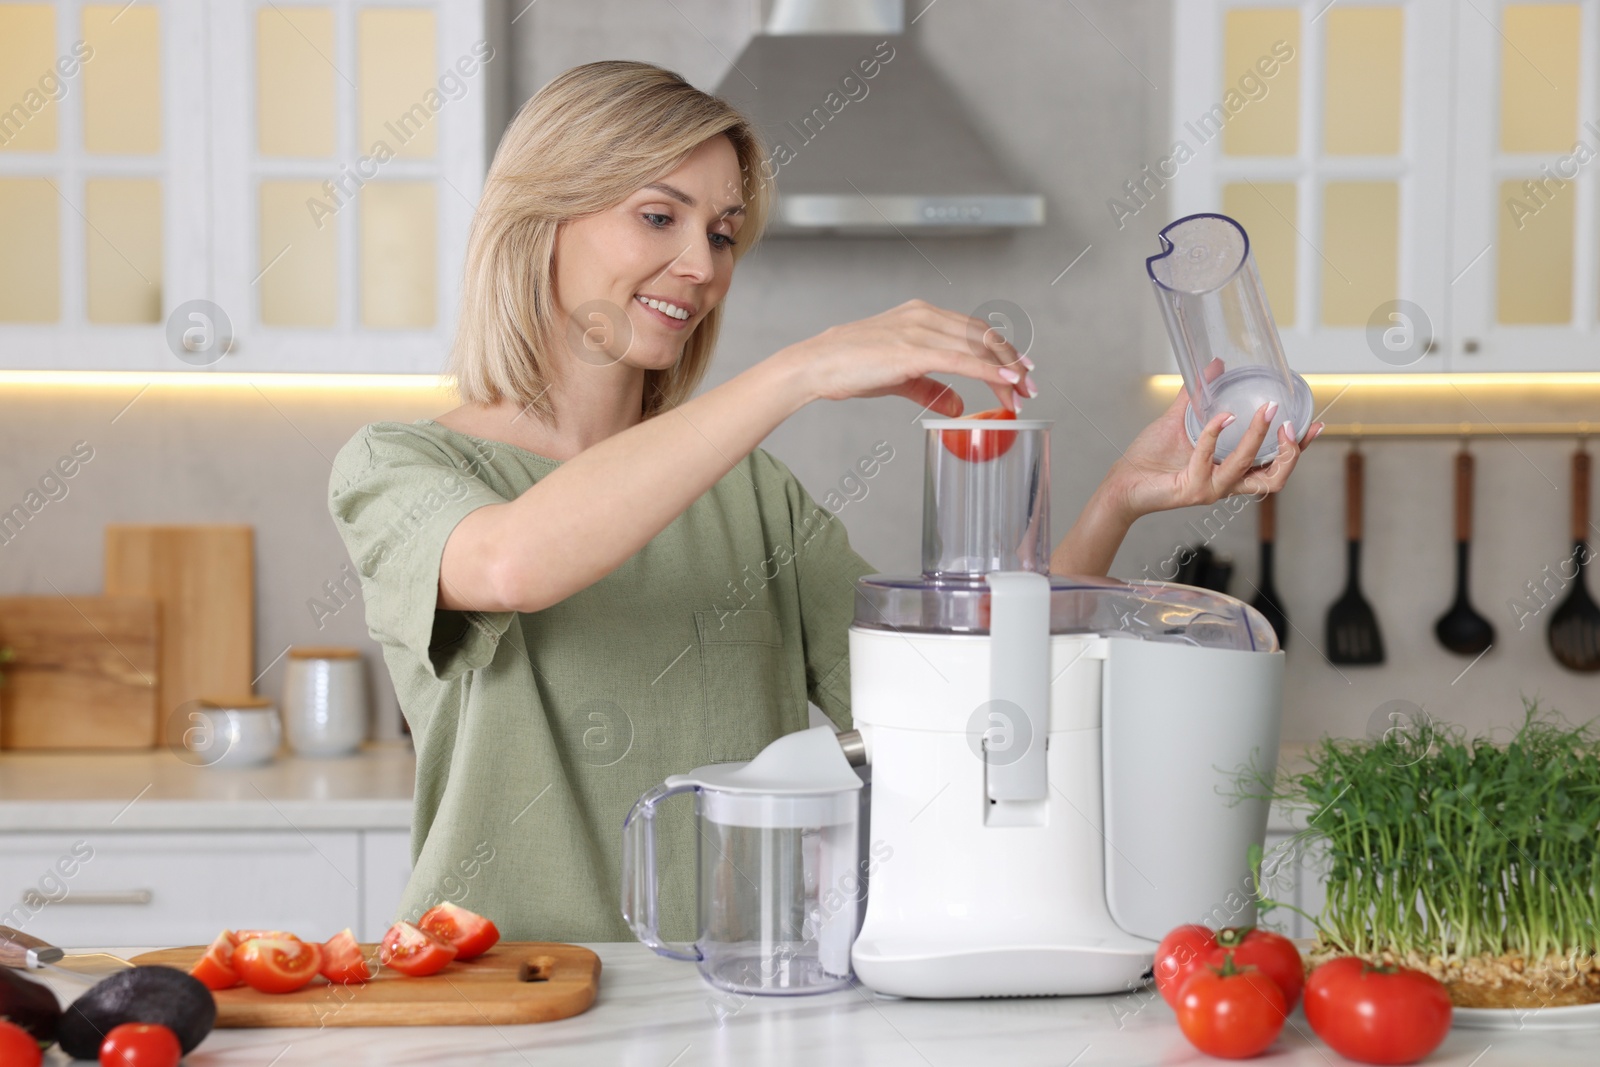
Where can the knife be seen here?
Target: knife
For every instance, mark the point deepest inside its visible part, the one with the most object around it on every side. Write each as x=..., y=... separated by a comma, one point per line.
x=28, y=953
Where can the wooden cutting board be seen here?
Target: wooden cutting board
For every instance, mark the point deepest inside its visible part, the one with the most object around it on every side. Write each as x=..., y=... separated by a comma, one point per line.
x=204, y=579
x=514, y=982
x=85, y=673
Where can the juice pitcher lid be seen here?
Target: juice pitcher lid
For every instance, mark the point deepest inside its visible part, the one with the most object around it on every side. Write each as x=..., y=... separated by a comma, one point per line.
x=804, y=763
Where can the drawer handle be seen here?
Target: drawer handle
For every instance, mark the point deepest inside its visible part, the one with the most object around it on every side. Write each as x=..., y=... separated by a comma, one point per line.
x=34, y=899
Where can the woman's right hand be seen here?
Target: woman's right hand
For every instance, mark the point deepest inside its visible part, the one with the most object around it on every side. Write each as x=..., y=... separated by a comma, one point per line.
x=893, y=353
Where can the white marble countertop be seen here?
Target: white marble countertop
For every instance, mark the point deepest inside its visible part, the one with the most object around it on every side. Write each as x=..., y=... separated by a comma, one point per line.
x=654, y=1012
x=156, y=790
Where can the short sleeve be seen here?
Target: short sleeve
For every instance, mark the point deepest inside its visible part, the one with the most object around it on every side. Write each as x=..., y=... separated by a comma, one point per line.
x=826, y=569
x=395, y=496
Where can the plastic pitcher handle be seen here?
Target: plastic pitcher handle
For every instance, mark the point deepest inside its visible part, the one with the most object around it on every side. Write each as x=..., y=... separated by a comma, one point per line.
x=639, y=899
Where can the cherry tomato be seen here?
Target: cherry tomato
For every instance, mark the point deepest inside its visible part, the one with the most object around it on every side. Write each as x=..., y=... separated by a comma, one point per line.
x=980, y=446
x=1188, y=948
x=18, y=1047
x=1229, y=1012
x=140, y=1045
x=414, y=951
x=215, y=969
x=1377, y=1014
x=342, y=962
x=469, y=932
x=276, y=965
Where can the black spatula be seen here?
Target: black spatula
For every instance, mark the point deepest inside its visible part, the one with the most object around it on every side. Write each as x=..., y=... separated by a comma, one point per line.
x=1461, y=629
x=1353, y=636
x=1267, y=600
x=1575, y=627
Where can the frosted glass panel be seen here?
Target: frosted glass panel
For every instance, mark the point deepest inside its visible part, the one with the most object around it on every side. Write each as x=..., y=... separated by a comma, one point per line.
x=397, y=81
x=294, y=81
x=1361, y=98
x=123, y=249
x=29, y=82
x=1266, y=210
x=299, y=263
x=122, y=81
x=1361, y=247
x=30, y=251
x=1539, y=78
x=1534, y=249
x=398, y=228
x=1261, y=113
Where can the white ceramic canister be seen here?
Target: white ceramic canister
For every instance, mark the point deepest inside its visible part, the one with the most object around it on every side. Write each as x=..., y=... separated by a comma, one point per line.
x=325, y=701
x=234, y=732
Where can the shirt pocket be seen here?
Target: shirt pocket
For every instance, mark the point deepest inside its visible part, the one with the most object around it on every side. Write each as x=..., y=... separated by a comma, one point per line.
x=744, y=677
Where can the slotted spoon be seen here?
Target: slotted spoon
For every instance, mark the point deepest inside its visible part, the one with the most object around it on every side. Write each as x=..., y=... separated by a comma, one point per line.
x=1353, y=636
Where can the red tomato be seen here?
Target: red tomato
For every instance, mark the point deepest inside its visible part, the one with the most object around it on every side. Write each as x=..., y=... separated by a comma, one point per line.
x=277, y=965
x=140, y=1045
x=469, y=932
x=1377, y=1014
x=1188, y=948
x=413, y=951
x=1180, y=954
x=215, y=969
x=980, y=446
x=342, y=962
x=1230, y=1012
x=18, y=1047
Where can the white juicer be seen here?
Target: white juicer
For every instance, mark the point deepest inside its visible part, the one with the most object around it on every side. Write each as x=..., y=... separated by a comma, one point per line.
x=1053, y=758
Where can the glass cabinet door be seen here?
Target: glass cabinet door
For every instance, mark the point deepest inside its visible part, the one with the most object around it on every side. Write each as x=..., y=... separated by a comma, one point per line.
x=102, y=213
x=1324, y=129
x=351, y=138
x=1524, y=258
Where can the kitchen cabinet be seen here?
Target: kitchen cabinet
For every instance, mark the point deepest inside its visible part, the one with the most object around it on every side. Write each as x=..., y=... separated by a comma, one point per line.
x=1416, y=176
x=298, y=202
x=181, y=888
x=139, y=847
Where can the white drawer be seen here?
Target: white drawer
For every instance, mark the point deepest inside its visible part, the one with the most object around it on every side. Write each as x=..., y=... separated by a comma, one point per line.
x=88, y=889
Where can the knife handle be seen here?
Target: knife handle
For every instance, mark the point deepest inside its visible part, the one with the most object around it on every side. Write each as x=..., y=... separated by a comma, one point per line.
x=15, y=945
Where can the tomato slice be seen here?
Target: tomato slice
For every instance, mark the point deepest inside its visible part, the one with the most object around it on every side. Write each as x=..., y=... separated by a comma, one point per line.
x=277, y=965
x=241, y=936
x=215, y=969
x=469, y=932
x=414, y=951
x=980, y=446
x=342, y=962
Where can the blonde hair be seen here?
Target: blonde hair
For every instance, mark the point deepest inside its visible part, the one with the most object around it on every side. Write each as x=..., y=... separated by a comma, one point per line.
x=582, y=144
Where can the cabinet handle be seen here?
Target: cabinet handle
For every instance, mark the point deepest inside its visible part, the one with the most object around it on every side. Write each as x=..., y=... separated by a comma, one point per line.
x=34, y=899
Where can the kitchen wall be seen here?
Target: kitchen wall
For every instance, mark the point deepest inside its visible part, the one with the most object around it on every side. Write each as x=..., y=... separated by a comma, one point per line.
x=1075, y=99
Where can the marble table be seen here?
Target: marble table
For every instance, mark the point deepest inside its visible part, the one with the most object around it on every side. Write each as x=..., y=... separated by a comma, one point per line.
x=654, y=1012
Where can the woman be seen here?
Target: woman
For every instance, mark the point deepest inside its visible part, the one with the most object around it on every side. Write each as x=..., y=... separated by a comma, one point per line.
x=557, y=570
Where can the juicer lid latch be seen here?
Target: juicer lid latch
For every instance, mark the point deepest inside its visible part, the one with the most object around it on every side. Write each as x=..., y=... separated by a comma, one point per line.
x=1018, y=709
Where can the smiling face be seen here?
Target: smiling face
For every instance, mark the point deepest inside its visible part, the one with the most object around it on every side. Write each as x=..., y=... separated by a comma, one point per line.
x=632, y=282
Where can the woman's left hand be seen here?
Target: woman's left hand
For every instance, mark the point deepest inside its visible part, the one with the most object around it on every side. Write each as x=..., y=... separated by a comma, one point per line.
x=1162, y=470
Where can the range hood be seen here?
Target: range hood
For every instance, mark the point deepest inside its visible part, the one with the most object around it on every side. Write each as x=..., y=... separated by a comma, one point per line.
x=863, y=136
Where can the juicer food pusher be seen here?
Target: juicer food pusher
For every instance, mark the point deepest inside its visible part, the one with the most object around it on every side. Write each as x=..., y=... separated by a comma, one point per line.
x=1053, y=758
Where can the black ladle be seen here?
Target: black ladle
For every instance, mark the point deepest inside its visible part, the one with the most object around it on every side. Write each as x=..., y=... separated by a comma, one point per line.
x=1461, y=629
x=1575, y=627
x=1267, y=600
x=1353, y=636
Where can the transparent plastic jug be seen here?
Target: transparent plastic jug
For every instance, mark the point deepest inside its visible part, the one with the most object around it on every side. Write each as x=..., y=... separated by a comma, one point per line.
x=1223, y=334
x=779, y=881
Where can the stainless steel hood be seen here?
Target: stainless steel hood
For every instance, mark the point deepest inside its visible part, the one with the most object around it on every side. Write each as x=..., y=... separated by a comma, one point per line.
x=863, y=135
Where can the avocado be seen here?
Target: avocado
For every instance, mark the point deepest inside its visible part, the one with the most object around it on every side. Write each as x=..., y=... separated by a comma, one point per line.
x=158, y=995
x=30, y=1005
